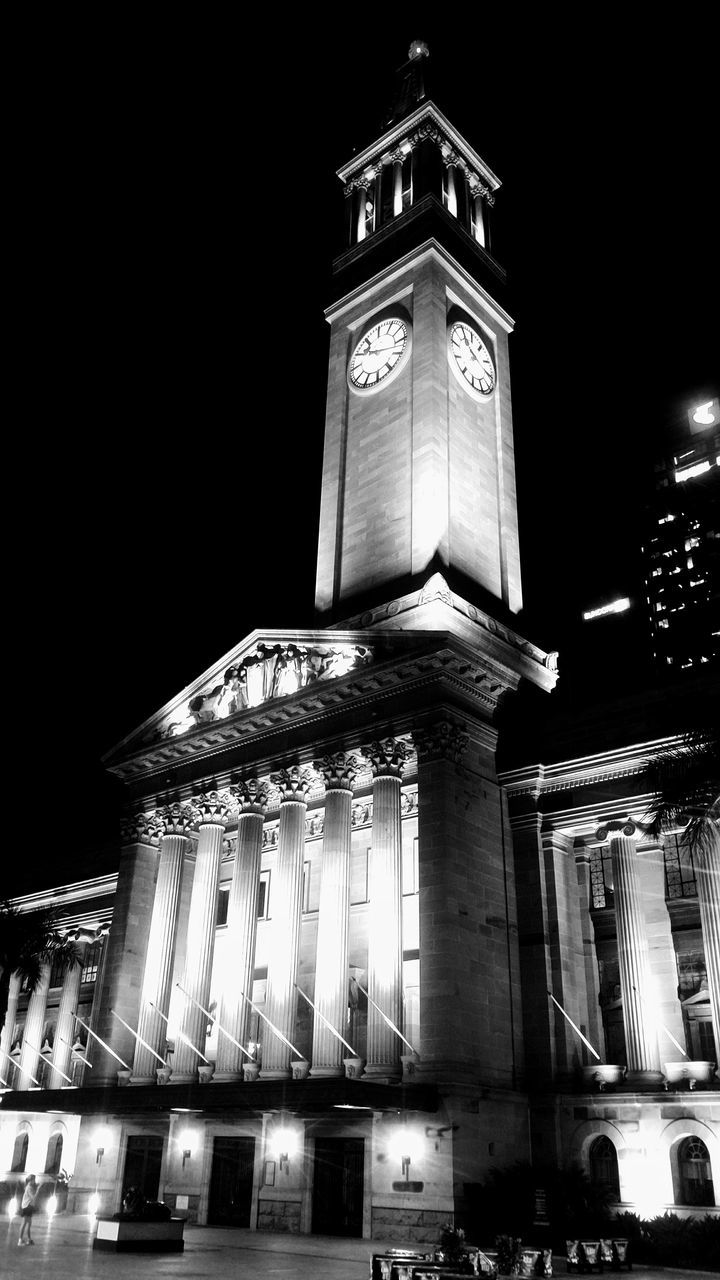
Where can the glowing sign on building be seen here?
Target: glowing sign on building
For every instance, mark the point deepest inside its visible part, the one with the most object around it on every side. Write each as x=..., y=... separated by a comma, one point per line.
x=689, y=473
x=615, y=606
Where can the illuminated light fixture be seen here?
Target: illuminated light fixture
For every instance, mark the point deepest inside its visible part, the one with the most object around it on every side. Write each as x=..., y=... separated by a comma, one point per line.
x=615, y=606
x=93, y=1204
x=705, y=414
x=285, y=1145
x=102, y=1140
x=689, y=473
x=186, y=1144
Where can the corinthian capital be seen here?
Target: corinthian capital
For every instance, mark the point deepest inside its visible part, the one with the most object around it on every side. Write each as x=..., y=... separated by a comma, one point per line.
x=338, y=771
x=211, y=806
x=174, y=819
x=139, y=828
x=251, y=795
x=293, y=783
x=440, y=741
x=387, y=757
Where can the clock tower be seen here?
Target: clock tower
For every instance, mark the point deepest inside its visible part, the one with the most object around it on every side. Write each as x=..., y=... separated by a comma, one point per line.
x=418, y=475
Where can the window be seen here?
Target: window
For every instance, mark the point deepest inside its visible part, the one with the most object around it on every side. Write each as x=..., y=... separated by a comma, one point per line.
x=222, y=905
x=695, y=1178
x=263, y=908
x=20, y=1151
x=306, y=887
x=54, y=1155
x=679, y=869
x=57, y=973
x=410, y=868
x=359, y=873
x=604, y=1167
x=91, y=962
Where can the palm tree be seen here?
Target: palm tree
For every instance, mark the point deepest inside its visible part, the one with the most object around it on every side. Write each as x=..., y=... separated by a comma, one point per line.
x=686, y=782
x=28, y=940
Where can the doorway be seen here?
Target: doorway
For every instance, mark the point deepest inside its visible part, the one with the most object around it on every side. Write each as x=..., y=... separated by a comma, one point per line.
x=338, y=1186
x=143, y=1158
x=231, y=1182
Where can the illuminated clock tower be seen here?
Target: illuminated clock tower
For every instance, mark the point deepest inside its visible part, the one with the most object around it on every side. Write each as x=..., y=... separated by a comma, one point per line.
x=419, y=465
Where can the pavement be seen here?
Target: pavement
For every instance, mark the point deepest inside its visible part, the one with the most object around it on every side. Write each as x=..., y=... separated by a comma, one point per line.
x=63, y=1251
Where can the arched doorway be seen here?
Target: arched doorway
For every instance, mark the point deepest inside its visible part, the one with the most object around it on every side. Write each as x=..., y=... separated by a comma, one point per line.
x=695, y=1184
x=602, y=1160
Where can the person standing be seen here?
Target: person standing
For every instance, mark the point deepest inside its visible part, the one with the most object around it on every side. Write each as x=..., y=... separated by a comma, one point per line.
x=27, y=1209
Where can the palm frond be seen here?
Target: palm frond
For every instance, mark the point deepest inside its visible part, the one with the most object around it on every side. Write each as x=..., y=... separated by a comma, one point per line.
x=685, y=780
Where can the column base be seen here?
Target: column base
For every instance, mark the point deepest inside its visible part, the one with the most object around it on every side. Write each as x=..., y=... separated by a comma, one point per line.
x=143, y=1079
x=275, y=1073
x=644, y=1081
x=185, y=1077
x=327, y=1072
x=382, y=1072
x=228, y=1077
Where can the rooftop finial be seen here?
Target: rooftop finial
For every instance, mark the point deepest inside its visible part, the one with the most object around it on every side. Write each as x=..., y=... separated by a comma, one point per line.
x=418, y=49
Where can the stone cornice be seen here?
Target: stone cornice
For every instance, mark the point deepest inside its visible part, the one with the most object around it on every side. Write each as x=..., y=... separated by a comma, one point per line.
x=584, y=771
x=427, y=116
x=421, y=660
x=430, y=249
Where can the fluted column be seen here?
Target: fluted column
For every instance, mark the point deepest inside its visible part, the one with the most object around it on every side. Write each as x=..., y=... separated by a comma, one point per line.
x=331, y=966
x=173, y=823
x=33, y=1033
x=385, y=920
x=707, y=878
x=212, y=811
x=641, y=1041
x=6, y=1040
x=65, y=1026
x=241, y=926
x=286, y=909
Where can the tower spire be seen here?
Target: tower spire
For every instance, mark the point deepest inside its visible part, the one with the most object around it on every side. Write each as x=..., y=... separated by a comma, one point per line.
x=409, y=83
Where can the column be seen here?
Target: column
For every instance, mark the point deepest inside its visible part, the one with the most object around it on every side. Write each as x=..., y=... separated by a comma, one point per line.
x=479, y=217
x=8, y=1031
x=384, y=1046
x=65, y=1027
x=124, y=958
x=173, y=822
x=643, y=1059
x=331, y=966
x=707, y=878
x=241, y=926
x=33, y=1032
x=451, y=191
x=397, y=164
x=286, y=910
x=211, y=816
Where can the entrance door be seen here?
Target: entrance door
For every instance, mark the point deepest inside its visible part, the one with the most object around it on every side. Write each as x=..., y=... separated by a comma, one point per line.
x=231, y=1182
x=143, y=1157
x=338, y=1186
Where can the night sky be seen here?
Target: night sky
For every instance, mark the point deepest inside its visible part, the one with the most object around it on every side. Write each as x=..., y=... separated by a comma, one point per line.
x=176, y=213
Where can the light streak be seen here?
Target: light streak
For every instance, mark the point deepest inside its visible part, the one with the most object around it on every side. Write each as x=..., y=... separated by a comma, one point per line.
x=105, y=1046
x=389, y=1021
x=572, y=1024
x=219, y=1025
x=324, y=1019
x=272, y=1027
x=139, y=1038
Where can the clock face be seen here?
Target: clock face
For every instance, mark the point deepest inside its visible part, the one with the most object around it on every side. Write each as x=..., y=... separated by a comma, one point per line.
x=471, y=359
x=378, y=354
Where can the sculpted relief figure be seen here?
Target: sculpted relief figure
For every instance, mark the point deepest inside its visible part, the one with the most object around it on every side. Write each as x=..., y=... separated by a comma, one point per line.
x=269, y=672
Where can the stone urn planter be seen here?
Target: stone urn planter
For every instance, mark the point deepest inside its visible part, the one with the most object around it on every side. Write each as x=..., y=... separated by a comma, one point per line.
x=353, y=1067
x=300, y=1070
x=603, y=1075
x=123, y=1077
x=206, y=1071
x=687, y=1074
x=251, y=1071
x=409, y=1065
x=163, y=1074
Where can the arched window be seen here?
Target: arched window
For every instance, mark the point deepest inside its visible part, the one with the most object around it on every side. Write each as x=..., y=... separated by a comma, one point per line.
x=604, y=1167
x=20, y=1151
x=54, y=1154
x=696, y=1186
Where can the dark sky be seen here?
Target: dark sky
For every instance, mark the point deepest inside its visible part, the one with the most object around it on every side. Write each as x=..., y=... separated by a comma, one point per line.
x=176, y=213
